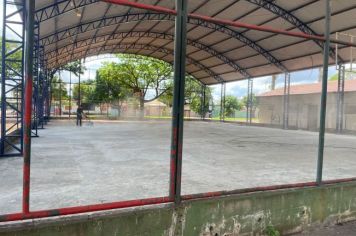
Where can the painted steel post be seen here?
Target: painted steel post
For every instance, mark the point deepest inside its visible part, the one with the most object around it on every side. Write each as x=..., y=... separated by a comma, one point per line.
x=60, y=96
x=324, y=90
x=249, y=102
x=29, y=43
x=204, y=102
x=340, y=99
x=180, y=44
x=70, y=93
x=286, y=101
x=79, y=92
x=222, y=102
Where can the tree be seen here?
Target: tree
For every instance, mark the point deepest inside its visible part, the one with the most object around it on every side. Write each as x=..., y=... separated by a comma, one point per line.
x=254, y=101
x=348, y=75
x=137, y=75
x=15, y=55
x=108, y=89
x=87, y=91
x=194, y=96
x=58, y=90
x=231, y=105
x=76, y=67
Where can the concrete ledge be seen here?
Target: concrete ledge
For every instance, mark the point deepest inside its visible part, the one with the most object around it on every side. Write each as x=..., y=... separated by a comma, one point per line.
x=289, y=211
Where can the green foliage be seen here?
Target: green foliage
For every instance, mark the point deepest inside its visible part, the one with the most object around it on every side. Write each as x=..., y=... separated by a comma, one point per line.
x=15, y=56
x=76, y=67
x=271, y=231
x=231, y=105
x=144, y=77
x=334, y=77
x=254, y=101
x=193, y=96
x=348, y=75
x=58, y=89
x=87, y=91
x=138, y=74
x=108, y=88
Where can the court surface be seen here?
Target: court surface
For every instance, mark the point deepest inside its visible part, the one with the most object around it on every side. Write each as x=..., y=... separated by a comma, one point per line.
x=120, y=160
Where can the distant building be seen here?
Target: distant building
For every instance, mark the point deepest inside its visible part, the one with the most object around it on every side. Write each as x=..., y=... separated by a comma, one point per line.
x=304, y=106
x=157, y=108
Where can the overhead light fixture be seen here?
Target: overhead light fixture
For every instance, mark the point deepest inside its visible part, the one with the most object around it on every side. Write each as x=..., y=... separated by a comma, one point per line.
x=77, y=12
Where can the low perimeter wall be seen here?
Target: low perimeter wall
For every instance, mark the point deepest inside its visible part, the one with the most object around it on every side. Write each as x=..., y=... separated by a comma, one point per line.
x=289, y=211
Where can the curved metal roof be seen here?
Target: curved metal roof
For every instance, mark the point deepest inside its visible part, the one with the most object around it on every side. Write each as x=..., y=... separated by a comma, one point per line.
x=74, y=29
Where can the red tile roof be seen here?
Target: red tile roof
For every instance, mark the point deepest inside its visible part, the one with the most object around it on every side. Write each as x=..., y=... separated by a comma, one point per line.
x=350, y=86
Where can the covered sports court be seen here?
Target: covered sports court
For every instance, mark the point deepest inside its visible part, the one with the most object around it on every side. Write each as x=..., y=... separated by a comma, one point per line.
x=51, y=167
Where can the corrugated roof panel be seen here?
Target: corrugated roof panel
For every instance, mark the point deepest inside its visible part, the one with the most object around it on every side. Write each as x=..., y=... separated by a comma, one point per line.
x=263, y=70
x=241, y=52
x=308, y=11
x=214, y=38
x=213, y=6
x=222, y=69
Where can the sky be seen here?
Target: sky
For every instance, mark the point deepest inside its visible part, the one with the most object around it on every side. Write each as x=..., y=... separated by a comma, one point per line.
x=262, y=84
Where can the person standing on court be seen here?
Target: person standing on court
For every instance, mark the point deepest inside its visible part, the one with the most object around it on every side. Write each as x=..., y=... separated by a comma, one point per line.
x=79, y=115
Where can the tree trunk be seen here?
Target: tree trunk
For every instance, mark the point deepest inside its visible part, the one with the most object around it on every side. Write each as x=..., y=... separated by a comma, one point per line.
x=142, y=107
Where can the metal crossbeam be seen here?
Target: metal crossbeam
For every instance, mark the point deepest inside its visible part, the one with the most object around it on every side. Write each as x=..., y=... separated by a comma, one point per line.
x=60, y=7
x=292, y=19
x=115, y=20
x=109, y=48
x=141, y=34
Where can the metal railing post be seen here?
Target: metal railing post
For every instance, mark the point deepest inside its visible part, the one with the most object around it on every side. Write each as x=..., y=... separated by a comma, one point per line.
x=324, y=91
x=178, y=100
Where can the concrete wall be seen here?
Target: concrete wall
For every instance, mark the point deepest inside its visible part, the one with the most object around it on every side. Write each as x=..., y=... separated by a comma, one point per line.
x=288, y=210
x=304, y=111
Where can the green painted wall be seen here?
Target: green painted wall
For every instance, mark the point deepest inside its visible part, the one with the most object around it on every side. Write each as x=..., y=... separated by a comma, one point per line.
x=246, y=214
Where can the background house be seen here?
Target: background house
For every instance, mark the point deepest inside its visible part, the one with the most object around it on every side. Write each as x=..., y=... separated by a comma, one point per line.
x=304, y=106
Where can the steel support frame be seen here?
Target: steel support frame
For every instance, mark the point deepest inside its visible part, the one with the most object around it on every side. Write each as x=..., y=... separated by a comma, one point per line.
x=94, y=25
x=36, y=80
x=12, y=79
x=340, y=99
x=42, y=89
x=292, y=19
x=286, y=100
x=166, y=51
x=66, y=50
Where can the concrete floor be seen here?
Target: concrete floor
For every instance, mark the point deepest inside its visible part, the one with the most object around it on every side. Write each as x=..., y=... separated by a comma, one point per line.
x=347, y=229
x=112, y=161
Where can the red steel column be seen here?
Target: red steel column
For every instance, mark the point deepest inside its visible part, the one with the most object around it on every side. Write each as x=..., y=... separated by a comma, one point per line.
x=29, y=44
